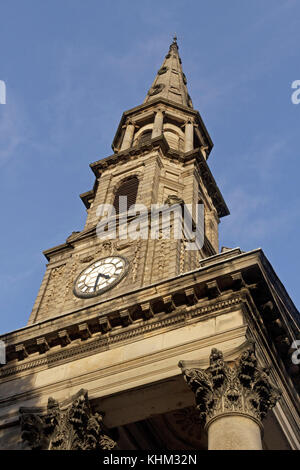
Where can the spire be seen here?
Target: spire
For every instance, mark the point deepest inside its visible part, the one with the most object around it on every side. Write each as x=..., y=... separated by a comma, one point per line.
x=170, y=81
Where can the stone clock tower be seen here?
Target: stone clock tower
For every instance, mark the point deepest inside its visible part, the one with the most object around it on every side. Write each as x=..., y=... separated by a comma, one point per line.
x=160, y=152
x=115, y=315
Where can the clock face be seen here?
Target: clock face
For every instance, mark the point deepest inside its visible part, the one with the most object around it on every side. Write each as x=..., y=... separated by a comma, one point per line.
x=100, y=276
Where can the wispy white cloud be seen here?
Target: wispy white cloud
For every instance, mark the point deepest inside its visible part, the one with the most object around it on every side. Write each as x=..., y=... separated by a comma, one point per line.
x=14, y=129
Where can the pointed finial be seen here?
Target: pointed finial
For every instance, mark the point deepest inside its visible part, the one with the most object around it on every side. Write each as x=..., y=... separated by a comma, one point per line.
x=174, y=45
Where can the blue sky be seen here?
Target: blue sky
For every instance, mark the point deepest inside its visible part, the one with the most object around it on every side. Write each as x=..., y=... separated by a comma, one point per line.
x=71, y=67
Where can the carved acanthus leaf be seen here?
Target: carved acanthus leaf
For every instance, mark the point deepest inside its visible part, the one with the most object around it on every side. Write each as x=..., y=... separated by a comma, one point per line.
x=73, y=427
x=232, y=387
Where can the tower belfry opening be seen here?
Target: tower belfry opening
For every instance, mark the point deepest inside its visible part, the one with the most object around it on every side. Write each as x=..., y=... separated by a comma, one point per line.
x=115, y=317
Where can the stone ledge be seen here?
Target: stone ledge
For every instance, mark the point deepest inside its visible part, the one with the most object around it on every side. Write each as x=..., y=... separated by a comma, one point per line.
x=100, y=342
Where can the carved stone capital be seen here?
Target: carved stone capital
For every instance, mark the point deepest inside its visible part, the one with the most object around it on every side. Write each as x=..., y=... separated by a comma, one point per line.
x=131, y=122
x=173, y=199
x=189, y=120
x=237, y=387
x=71, y=426
x=160, y=110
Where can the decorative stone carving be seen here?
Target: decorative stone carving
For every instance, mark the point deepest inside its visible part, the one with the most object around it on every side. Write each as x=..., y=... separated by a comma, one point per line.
x=183, y=252
x=162, y=257
x=236, y=387
x=156, y=89
x=105, y=249
x=50, y=302
x=174, y=199
x=72, y=427
x=86, y=259
x=135, y=262
x=162, y=70
x=72, y=273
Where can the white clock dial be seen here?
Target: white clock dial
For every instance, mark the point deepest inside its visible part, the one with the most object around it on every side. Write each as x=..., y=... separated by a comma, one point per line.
x=100, y=276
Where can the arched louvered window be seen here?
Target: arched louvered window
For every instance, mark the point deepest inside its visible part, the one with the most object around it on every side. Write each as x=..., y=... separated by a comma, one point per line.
x=128, y=188
x=145, y=137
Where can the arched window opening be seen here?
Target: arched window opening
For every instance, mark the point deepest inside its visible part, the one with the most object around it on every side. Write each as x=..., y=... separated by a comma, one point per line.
x=174, y=137
x=145, y=137
x=128, y=188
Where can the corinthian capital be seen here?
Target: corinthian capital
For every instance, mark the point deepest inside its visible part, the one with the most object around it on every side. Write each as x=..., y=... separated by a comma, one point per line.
x=71, y=427
x=238, y=387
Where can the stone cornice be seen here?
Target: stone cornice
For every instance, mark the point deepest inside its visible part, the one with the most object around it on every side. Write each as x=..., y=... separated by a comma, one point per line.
x=97, y=389
x=177, y=318
x=86, y=197
x=125, y=155
x=210, y=183
x=64, y=247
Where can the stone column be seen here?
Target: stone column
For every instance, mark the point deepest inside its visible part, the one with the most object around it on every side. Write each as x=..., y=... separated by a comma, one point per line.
x=189, y=136
x=203, y=151
x=232, y=398
x=158, y=124
x=128, y=136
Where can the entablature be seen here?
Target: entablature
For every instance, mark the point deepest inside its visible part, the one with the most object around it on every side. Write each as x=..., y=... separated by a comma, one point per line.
x=226, y=281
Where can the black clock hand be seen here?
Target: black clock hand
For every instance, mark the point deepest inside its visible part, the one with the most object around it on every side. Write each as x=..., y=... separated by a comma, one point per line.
x=106, y=276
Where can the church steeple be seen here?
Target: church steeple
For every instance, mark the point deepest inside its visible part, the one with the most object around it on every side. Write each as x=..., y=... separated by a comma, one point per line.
x=170, y=81
x=166, y=111
x=160, y=156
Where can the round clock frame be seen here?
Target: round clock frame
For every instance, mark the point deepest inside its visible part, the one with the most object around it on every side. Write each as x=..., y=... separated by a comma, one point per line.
x=95, y=293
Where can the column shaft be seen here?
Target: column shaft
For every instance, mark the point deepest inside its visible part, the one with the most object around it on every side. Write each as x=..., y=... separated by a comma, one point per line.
x=189, y=137
x=234, y=433
x=158, y=124
x=128, y=137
